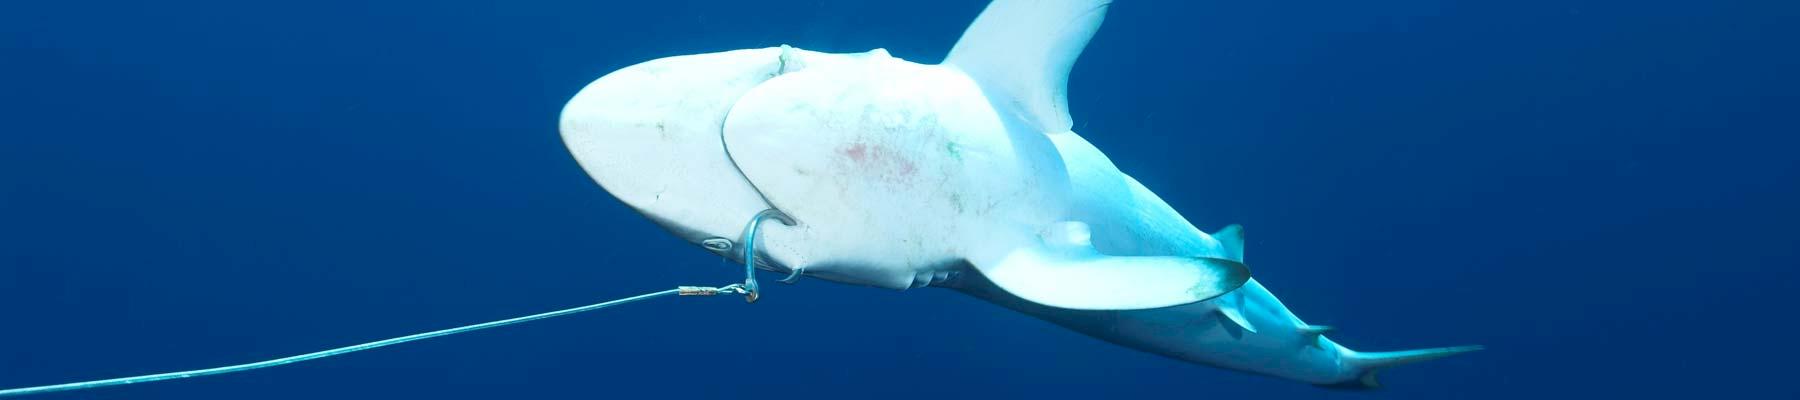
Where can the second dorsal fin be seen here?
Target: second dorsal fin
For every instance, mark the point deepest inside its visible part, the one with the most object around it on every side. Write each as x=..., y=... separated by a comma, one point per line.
x=1232, y=238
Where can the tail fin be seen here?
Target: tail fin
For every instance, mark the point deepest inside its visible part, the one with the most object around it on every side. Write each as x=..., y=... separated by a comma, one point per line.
x=1367, y=365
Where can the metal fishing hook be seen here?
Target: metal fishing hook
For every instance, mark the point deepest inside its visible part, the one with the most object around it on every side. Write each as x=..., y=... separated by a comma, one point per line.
x=793, y=276
x=749, y=239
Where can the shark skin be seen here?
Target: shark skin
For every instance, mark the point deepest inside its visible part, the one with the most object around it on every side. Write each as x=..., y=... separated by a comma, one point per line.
x=1265, y=338
x=963, y=175
x=900, y=173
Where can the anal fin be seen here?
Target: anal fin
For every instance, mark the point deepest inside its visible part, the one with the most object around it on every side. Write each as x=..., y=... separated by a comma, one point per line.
x=1236, y=316
x=1311, y=333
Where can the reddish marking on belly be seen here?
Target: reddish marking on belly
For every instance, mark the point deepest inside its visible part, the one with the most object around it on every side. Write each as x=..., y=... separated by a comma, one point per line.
x=857, y=153
x=880, y=163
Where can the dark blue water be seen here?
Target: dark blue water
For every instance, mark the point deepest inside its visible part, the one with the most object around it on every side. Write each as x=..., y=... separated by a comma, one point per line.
x=1602, y=192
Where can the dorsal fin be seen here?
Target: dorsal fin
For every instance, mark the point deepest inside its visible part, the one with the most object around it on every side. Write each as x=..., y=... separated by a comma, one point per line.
x=1232, y=238
x=1020, y=52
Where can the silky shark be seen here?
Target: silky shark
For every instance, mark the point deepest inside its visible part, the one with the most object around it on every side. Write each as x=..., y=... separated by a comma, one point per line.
x=963, y=175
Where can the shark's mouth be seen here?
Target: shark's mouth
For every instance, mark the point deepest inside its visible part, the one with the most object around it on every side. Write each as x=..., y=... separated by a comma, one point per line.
x=652, y=135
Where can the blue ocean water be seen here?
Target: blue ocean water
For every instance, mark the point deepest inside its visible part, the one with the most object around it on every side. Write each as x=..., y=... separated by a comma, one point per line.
x=1601, y=192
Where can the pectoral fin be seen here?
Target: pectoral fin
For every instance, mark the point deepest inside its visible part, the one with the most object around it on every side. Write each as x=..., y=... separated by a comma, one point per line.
x=1021, y=52
x=1067, y=273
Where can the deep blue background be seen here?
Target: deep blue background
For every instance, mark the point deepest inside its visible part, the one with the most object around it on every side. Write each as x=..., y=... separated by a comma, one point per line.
x=1603, y=192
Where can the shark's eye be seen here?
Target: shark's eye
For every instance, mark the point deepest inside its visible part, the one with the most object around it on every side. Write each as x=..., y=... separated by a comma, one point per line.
x=717, y=244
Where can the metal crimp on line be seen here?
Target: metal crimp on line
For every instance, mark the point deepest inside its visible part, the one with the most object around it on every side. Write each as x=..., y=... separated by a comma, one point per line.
x=735, y=288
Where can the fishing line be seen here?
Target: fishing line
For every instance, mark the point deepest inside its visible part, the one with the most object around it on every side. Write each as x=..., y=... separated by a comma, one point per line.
x=748, y=288
x=680, y=291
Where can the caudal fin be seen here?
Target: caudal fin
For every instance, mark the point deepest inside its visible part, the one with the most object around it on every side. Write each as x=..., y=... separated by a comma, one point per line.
x=1367, y=365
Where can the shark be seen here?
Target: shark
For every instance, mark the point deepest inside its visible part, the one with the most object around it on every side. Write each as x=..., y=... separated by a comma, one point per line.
x=964, y=175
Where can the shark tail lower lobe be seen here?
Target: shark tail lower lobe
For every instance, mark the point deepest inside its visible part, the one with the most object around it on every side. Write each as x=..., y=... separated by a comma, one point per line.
x=1368, y=365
